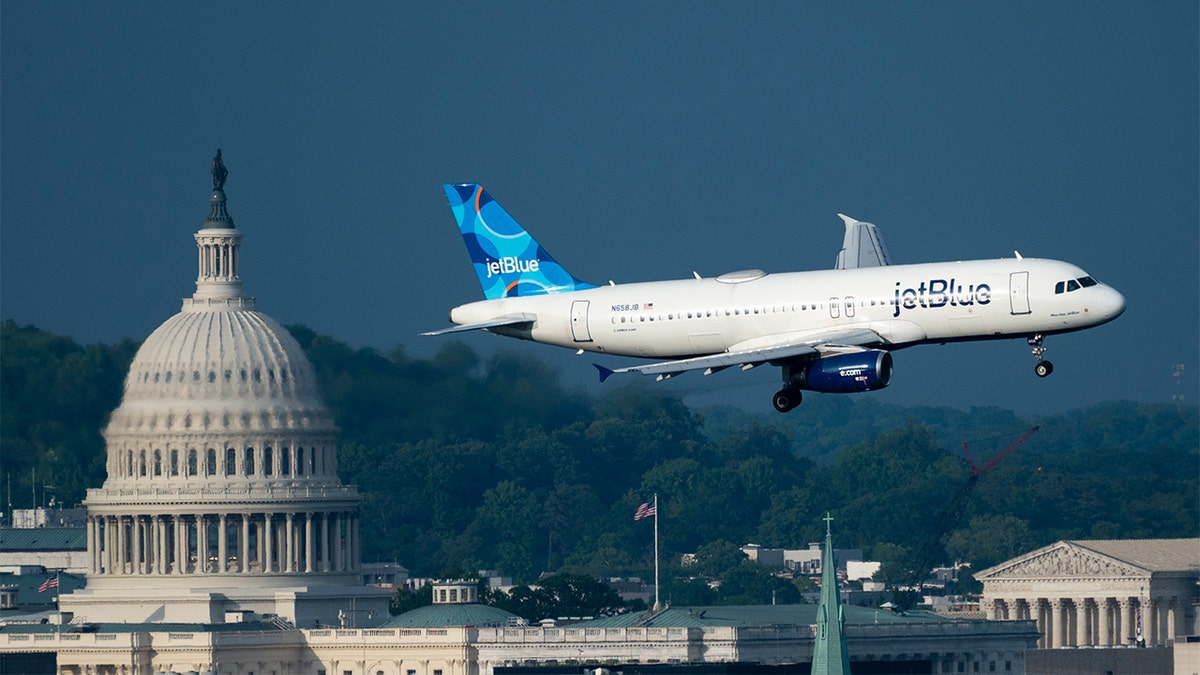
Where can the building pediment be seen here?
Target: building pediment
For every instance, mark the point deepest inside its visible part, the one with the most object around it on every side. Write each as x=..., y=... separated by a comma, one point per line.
x=1063, y=559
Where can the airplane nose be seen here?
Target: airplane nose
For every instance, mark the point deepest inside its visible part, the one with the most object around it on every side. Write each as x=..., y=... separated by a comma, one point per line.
x=1114, y=304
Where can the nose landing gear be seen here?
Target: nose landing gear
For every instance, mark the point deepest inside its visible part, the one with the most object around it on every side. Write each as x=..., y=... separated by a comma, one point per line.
x=1043, y=367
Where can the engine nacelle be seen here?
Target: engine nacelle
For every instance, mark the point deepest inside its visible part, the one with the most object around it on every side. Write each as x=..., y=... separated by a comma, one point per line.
x=847, y=373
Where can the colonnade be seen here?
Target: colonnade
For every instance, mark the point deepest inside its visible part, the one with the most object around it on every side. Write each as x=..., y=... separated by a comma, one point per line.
x=1095, y=621
x=219, y=255
x=233, y=543
x=250, y=462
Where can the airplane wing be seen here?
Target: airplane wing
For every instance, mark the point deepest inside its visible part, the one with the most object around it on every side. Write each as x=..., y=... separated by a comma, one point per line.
x=861, y=247
x=760, y=350
x=509, y=320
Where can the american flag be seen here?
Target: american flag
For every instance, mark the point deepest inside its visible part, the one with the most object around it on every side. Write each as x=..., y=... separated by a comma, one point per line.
x=646, y=510
x=52, y=582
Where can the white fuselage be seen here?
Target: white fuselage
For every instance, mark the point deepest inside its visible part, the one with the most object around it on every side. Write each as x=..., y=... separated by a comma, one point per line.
x=905, y=304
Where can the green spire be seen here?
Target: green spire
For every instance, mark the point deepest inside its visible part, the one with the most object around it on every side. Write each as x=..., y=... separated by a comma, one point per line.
x=829, y=644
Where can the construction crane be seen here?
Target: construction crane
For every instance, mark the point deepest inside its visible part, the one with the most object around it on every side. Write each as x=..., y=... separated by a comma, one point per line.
x=948, y=518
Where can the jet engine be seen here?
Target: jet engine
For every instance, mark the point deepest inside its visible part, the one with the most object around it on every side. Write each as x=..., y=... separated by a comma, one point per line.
x=847, y=373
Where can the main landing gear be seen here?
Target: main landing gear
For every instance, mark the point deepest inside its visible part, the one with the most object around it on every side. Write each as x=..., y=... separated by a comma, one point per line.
x=785, y=399
x=789, y=397
x=1043, y=368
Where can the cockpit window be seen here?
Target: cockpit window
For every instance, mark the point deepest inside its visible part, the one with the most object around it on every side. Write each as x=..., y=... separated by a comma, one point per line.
x=1074, y=284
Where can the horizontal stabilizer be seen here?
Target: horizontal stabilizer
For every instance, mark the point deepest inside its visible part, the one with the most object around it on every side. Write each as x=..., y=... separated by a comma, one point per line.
x=510, y=320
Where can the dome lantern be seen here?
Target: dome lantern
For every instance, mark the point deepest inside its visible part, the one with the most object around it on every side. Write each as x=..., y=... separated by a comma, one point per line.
x=218, y=282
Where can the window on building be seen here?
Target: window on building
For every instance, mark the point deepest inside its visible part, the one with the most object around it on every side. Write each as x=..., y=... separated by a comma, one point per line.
x=192, y=462
x=230, y=461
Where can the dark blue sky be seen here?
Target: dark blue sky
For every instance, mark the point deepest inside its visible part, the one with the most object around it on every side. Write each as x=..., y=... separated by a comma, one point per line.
x=637, y=141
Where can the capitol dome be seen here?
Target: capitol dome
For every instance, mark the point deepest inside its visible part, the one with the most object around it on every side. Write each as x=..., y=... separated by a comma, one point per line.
x=222, y=492
x=223, y=370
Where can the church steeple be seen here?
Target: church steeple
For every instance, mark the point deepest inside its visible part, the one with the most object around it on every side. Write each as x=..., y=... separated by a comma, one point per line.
x=830, y=656
x=218, y=281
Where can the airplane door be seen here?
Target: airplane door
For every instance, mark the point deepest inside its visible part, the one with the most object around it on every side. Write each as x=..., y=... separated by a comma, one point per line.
x=1018, y=292
x=579, y=321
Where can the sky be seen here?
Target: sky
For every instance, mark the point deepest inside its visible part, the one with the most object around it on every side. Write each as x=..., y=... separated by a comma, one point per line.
x=637, y=141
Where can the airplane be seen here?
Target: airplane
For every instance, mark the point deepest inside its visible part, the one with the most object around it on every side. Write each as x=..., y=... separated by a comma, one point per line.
x=829, y=331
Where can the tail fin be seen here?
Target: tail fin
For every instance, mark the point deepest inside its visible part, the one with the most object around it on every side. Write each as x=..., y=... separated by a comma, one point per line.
x=507, y=260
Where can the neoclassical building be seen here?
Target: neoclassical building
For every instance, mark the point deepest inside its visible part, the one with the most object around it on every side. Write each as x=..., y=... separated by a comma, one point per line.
x=1100, y=593
x=222, y=493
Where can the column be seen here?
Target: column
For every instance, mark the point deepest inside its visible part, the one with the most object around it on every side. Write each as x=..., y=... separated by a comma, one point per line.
x=1174, y=616
x=244, y=554
x=92, y=549
x=260, y=545
x=1055, y=625
x=1150, y=623
x=222, y=546
x=1082, y=623
x=269, y=530
x=105, y=548
x=139, y=555
x=171, y=528
x=325, y=548
x=1104, y=632
x=201, y=543
x=164, y=546
x=308, y=542
x=1128, y=622
x=289, y=543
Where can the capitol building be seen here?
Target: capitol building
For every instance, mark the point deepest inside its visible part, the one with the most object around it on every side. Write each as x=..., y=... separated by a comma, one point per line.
x=223, y=543
x=222, y=494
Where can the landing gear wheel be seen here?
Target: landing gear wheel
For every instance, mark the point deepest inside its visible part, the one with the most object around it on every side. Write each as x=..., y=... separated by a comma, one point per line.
x=1043, y=368
x=786, y=399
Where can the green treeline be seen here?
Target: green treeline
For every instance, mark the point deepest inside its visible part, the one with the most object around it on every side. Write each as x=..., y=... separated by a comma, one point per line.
x=465, y=464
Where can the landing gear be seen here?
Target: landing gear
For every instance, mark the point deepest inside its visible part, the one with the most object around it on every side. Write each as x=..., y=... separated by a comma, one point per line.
x=785, y=399
x=1043, y=367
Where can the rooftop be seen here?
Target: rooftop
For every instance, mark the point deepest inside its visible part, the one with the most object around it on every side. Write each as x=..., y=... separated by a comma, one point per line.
x=754, y=615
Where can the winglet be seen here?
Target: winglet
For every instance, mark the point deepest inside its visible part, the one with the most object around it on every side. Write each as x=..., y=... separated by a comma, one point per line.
x=604, y=372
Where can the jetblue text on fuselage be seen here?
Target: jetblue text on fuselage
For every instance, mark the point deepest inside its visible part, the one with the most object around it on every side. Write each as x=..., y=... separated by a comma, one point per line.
x=509, y=265
x=939, y=293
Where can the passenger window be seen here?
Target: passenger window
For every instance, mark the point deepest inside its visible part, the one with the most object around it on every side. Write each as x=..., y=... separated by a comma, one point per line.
x=833, y=308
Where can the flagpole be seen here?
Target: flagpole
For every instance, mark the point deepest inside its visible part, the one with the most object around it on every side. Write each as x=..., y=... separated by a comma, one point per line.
x=656, y=605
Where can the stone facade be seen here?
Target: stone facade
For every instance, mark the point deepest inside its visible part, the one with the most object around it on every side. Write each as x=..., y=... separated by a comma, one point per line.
x=1100, y=593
